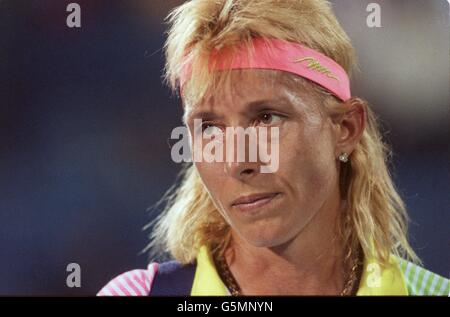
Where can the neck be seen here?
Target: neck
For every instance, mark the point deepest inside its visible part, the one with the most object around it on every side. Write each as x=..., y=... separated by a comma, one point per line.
x=310, y=263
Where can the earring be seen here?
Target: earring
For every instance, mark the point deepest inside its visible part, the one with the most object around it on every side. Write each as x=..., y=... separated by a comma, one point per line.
x=343, y=157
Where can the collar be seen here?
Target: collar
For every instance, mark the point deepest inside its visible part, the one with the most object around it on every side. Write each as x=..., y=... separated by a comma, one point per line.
x=375, y=279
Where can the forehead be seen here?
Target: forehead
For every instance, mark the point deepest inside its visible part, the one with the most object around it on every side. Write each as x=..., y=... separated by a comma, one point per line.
x=246, y=86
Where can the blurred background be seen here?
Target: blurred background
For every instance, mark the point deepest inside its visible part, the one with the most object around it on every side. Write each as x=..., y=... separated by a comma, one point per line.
x=85, y=119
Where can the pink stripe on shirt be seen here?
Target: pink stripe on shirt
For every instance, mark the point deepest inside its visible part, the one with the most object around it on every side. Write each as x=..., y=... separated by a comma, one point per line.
x=131, y=283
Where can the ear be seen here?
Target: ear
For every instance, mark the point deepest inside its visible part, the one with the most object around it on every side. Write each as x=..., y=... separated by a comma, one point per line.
x=351, y=126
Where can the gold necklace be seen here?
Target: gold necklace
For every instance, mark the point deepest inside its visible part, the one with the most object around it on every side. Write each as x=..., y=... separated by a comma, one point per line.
x=227, y=276
x=350, y=286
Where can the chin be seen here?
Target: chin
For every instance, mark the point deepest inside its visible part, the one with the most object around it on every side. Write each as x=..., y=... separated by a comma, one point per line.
x=265, y=237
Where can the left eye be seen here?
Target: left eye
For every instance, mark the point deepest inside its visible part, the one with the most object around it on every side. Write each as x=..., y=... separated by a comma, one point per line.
x=269, y=118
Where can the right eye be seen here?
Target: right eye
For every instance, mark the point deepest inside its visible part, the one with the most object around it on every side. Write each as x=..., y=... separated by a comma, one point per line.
x=210, y=129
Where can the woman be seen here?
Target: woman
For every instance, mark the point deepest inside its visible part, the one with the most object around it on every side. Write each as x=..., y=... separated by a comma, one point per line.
x=328, y=220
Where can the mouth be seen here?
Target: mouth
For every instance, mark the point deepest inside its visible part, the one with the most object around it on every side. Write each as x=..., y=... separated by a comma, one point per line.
x=252, y=202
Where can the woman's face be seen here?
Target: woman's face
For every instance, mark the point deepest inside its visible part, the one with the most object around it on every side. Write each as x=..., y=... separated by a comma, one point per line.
x=306, y=181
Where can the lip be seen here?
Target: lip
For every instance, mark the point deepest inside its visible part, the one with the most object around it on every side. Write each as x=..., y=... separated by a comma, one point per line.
x=251, y=202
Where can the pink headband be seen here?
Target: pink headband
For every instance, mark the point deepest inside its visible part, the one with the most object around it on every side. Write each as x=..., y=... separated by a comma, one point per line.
x=289, y=57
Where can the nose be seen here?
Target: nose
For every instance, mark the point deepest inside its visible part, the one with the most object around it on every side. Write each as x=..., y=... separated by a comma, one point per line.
x=242, y=170
x=242, y=162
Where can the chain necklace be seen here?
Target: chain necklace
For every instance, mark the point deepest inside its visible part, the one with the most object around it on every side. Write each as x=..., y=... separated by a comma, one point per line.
x=350, y=286
x=227, y=276
x=352, y=282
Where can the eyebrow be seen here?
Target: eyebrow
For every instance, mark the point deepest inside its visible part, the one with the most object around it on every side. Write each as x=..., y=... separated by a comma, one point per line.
x=261, y=104
x=252, y=106
x=209, y=115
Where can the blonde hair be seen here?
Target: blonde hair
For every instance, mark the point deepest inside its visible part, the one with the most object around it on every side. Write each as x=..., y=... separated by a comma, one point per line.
x=375, y=218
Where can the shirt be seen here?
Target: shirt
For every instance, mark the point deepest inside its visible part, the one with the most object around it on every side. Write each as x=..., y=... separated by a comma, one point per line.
x=400, y=277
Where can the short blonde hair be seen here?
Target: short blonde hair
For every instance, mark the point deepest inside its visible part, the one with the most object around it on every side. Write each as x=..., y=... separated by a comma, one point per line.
x=375, y=218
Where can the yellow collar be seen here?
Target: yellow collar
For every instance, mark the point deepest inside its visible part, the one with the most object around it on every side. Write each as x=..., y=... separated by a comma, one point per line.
x=206, y=280
x=375, y=280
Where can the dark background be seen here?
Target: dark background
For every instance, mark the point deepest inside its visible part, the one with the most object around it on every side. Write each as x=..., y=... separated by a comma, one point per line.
x=84, y=123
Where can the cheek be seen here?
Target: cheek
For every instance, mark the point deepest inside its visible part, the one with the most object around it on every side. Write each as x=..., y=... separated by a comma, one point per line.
x=212, y=177
x=307, y=161
x=207, y=172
